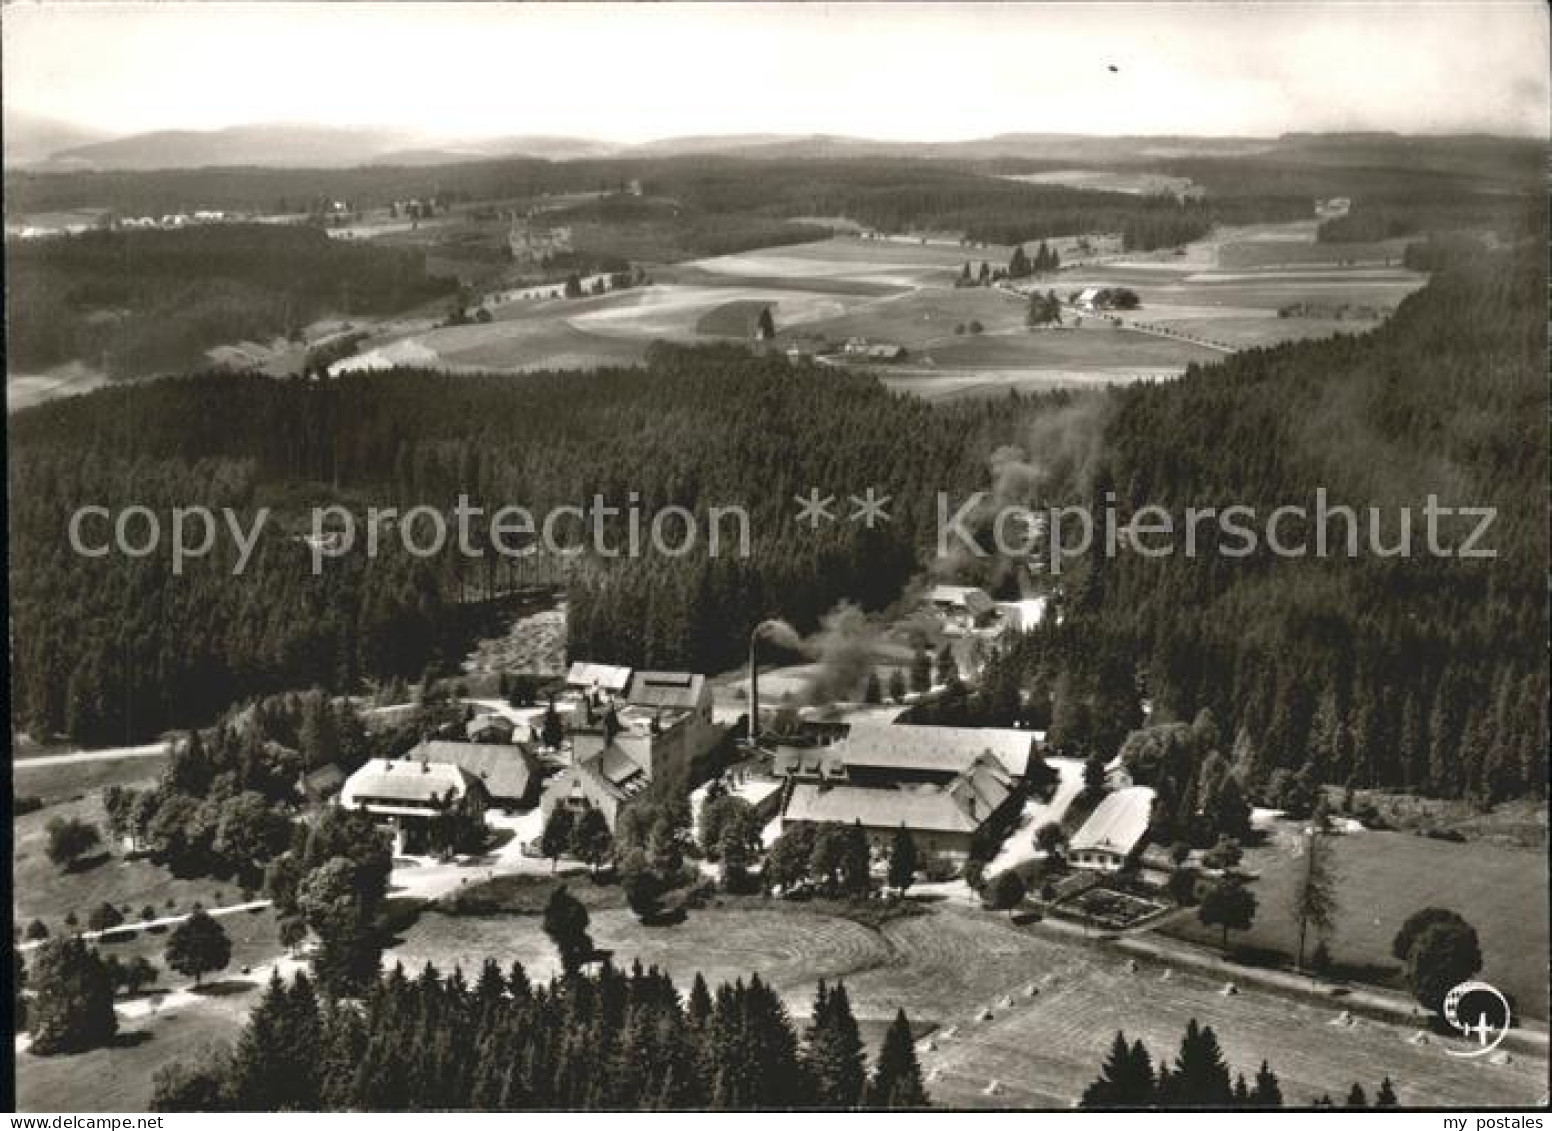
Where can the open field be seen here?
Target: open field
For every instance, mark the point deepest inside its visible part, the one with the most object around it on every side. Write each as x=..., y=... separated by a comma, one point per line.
x=1043, y=1049
x=1224, y=290
x=23, y=390
x=1385, y=877
x=1094, y=346
x=57, y=782
x=119, y=1078
x=952, y=384
x=42, y=890
x=1107, y=180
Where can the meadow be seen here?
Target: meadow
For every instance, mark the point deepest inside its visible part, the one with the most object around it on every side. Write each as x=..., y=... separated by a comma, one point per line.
x=1040, y=1048
x=1385, y=877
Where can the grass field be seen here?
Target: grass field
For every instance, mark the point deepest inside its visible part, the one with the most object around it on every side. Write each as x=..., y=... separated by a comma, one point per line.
x=68, y=782
x=42, y=890
x=118, y=1078
x=1225, y=289
x=1041, y=1051
x=1092, y=347
x=1385, y=877
x=1107, y=180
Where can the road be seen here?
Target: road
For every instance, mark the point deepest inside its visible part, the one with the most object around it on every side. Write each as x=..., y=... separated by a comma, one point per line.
x=81, y=757
x=148, y=924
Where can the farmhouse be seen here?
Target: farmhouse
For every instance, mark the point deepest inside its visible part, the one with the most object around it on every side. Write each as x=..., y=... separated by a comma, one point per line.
x=406, y=793
x=663, y=726
x=1113, y=836
x=1086, y=298
x=589, y=678
x=943, y=820
x=507, y=773
x=944, y=784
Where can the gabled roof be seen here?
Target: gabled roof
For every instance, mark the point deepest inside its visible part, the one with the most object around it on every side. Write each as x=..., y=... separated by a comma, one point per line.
x=983, y=789
x=679, y=691
x=506, y=770
x=958, y=595
x=1118, y=824
x=924, y=809
x=604, y=677
x=411, y=780
x=616, y=766
x=947, y=750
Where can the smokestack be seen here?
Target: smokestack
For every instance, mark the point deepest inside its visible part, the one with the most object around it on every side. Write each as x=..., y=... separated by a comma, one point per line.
x=754, y=689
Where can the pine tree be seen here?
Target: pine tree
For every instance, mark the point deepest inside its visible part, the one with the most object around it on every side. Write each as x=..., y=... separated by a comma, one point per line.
x=833, y=1056
x=856, y=861
x=1200, y=1078
x=1356, y=1098
x=1267, y=1092
x=897, y=1078
x=1314, y=895
x=1386, y=1096
x=1125, y=1079
x=902, y=860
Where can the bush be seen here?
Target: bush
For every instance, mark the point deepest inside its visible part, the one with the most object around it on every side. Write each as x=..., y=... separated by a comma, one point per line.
x=1005, y=891
x=26, y=803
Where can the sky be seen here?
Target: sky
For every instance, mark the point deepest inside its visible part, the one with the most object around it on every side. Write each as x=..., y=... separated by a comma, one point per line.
x=921, y=72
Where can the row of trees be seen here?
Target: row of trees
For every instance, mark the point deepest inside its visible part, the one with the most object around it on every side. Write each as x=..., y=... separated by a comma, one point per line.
x=609, y=1039
x=1199, y=1077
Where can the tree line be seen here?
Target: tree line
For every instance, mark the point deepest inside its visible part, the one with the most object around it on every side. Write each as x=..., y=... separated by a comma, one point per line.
x=605, y=1039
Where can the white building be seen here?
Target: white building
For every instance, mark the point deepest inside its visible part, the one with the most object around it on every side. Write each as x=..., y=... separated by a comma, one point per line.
x=1114, y=834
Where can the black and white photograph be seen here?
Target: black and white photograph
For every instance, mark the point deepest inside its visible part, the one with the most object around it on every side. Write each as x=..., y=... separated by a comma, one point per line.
x=701, y=557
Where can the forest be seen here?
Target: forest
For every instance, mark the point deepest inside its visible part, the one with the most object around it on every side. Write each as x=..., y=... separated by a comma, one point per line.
x=609, y=1039
x=1426, y=674
x=1420, y=673
x=150, y=300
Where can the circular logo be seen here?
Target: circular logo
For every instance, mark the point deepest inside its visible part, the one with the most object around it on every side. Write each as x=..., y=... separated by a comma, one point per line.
x=1478, y=1012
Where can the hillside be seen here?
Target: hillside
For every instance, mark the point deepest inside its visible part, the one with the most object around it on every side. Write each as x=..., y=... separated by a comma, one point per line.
x=1432, y=669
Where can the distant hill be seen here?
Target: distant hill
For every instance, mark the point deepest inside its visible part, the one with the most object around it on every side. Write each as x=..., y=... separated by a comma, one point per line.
x=544, y=146
x=30, y=138
x=269, y=146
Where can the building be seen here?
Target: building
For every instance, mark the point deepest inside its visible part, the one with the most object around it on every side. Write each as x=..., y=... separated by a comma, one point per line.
x=1113, y=836
x=947, y=785
x=962, y=607
x=942, y=819
x=507, y=772
x=1087, y=297
x=405, y=794
x=1025, y=614
x=660, y=727
x=596, y=679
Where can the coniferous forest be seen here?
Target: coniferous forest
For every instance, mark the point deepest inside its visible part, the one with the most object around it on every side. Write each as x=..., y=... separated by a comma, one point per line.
x=611, y=1039
x=1420, y=673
